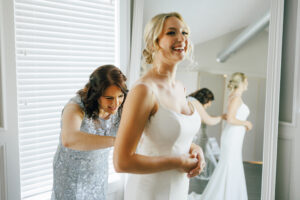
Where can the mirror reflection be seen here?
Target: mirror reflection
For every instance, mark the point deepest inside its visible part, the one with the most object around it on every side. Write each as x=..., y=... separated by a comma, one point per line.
x=227, y=39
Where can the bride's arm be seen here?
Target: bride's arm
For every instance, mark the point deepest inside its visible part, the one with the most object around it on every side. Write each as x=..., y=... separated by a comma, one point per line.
x=138, y=107
x=233, y=106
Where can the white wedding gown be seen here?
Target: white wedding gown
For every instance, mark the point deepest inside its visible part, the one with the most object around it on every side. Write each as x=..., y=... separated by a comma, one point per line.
x=228, y=179
x=167, y=133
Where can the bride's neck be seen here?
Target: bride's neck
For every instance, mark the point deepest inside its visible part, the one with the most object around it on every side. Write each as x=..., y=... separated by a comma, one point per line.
x=165, y=71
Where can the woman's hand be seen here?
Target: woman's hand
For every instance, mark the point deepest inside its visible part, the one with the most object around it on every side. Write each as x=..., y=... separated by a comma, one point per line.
x=188, y=162
x=196, y=152
x=248, y=125
x=224, y=116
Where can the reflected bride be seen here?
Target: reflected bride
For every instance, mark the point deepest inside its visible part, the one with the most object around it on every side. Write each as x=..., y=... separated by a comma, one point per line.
x=228, y=180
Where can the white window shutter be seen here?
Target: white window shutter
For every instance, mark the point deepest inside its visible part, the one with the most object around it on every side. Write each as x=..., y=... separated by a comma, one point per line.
x=58, y=44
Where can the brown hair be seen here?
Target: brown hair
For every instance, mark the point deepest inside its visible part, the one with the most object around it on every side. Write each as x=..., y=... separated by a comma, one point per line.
x=103, y=77
x=203, y=95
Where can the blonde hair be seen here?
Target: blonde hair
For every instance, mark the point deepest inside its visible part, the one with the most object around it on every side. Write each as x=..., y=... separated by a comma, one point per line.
x=152, y=31
x=236, y=79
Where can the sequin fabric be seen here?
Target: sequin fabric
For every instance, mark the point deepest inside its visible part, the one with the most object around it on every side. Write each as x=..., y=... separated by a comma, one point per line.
x=83, y=175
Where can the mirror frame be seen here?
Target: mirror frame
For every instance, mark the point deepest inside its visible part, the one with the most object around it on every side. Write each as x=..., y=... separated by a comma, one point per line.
x=272, y=100
x=271, y=120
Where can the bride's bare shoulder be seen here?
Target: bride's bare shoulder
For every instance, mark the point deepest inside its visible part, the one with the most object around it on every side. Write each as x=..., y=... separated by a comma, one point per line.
x=234, y=100
x=146, y=80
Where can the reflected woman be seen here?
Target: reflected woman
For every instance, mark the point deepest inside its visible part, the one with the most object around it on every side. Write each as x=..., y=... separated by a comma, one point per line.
x=228, y=179
x=203, y=99
x=88, y=128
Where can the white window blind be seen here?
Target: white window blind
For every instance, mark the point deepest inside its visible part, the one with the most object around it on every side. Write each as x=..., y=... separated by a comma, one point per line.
x=58, y=44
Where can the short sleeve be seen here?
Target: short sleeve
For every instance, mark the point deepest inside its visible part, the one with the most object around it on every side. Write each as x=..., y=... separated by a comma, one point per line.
x=189, y=98
x=115, y=124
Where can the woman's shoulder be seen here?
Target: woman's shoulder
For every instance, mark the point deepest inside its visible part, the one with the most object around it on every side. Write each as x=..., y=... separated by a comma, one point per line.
x=143, y=92
x=144, y=85
x=76, y=100
x=235, y=100
x=75, y=105
x=190, y=98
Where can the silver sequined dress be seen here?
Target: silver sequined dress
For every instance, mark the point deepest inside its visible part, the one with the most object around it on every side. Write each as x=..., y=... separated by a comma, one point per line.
x=83, y=175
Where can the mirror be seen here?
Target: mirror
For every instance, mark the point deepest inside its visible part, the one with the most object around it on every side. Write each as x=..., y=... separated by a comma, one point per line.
x=1, y=95
x=244, y=38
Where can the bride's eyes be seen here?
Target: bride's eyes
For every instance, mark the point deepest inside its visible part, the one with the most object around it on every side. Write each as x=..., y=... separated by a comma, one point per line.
x=171, y=33
x=174, y=33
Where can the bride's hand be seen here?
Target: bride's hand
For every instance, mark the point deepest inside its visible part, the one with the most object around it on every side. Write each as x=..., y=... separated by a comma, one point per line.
x=188, y=162
x=248, y=125
x=200, y=164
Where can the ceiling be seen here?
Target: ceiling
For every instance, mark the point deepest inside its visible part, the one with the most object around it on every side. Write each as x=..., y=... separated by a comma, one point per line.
x=209, y=19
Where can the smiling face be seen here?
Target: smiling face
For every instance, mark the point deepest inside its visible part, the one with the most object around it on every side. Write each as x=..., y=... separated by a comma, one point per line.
x=173, y=40
x=111, y=99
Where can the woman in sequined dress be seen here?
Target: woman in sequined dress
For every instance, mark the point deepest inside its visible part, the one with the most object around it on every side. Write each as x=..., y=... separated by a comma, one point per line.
x=88, y=128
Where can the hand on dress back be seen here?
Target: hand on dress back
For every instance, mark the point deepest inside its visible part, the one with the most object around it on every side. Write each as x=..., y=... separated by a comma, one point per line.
x=248, y=125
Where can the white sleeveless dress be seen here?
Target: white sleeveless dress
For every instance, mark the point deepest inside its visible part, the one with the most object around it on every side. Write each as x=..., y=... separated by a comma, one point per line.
x=228, y=179
x=167, y=133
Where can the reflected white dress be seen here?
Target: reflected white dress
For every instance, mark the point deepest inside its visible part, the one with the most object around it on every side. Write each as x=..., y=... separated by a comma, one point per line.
x=228, y=179
x=166, y=133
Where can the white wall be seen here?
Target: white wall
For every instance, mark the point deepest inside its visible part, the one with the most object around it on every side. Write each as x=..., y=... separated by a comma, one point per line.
x=288, y=159
x=288, y=62
x=250, y=58
x=210, y=19
x=216, y=83
x=189, y=79
x=1, y=97
x=255, y=99
x=9, y=151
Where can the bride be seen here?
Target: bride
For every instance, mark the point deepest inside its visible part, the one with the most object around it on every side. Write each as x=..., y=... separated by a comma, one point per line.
x=154, y=140
x=228, y=179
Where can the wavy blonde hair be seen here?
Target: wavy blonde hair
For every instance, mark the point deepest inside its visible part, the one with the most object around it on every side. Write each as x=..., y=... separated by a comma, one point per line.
x=235, y=80
x=152, y=31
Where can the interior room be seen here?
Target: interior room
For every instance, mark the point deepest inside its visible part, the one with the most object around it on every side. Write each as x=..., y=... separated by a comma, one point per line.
x=49, y=48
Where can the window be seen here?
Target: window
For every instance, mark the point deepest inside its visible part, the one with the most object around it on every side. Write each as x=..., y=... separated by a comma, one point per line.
x=58, y=44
